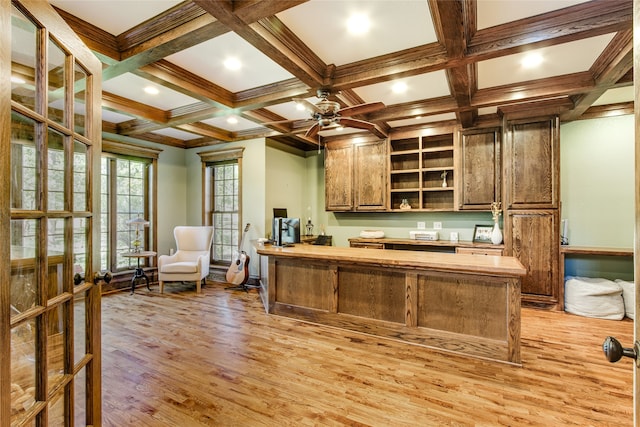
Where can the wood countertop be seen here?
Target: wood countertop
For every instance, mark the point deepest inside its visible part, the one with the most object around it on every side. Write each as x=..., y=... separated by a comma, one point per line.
x=479, y=264
x=417, y=242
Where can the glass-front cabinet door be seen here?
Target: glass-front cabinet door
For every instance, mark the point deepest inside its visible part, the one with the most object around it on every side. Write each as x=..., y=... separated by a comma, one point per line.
x=50, y=126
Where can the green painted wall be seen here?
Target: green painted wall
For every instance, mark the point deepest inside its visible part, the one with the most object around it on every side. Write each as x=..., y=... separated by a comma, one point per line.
x=597, y=192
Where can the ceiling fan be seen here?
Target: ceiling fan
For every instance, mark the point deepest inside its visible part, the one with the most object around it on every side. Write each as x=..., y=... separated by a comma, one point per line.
x=327, y=113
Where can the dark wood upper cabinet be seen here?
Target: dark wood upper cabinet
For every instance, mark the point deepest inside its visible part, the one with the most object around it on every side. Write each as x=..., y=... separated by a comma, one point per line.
x=532, y=163
x=479, y=168
x=356, y=176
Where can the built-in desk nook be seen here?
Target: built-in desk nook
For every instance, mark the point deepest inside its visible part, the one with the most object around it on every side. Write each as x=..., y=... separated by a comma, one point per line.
x=463, y=303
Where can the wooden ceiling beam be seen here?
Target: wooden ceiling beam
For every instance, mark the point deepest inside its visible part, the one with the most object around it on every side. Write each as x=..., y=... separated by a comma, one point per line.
x=270, y=36
x=187, y=83
x=590, y=19
x=136, y=109
x=612, y=65
x=576, y=22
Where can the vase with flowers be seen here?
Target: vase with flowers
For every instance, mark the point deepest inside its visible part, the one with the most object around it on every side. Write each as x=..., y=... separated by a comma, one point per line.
x=496, y=234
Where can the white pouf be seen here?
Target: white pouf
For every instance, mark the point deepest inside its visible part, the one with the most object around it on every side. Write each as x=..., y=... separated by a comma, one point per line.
x=629, y=297
x=593, y=297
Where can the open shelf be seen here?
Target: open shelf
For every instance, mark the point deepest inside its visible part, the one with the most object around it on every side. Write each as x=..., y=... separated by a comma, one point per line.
x=417, y=170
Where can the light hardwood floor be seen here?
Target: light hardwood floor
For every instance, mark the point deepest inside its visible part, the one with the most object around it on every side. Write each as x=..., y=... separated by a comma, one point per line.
x=217, y=359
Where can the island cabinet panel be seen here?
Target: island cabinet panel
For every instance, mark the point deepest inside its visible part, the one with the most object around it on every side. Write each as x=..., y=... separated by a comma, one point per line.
x=479, y=169
x=378, y=294
x=534, y=241
x=468, y=304
x=305, y=284
x=533, y=163
x=457, y=304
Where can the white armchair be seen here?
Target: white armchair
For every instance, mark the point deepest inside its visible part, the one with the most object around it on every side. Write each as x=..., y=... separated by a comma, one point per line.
x=190, y=262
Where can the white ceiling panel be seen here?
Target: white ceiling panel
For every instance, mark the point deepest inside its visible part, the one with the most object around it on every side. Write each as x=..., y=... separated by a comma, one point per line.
x=115, y=16
x=131, y=86
x=177, y=133
x=558, y=60
x=430, y=85
x=207, y=61
x=114, y=117
x=496, y=12
x=395, y=26
x=616, y=95
x=222, y=123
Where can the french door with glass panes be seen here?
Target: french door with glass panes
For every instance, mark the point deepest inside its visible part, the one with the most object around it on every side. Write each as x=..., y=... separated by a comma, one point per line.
x=50, y=127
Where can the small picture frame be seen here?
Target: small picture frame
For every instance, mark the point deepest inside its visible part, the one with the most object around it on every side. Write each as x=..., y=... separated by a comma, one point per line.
x=482, y=233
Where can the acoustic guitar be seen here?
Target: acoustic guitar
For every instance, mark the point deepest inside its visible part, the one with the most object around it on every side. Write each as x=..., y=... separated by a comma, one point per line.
x=238, y=272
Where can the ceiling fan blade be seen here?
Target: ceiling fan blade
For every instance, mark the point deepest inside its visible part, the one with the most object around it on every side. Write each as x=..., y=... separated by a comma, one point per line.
x=354, y=123
x=361, y=109
x=307, y=105
x=313, y=130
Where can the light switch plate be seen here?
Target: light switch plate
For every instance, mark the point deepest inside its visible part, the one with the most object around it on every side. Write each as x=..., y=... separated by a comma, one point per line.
x=421, y=225
x=437, y=225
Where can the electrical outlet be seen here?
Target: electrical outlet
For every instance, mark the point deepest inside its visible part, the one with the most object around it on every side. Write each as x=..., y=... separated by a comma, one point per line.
x=437, y=225
x=421, y=225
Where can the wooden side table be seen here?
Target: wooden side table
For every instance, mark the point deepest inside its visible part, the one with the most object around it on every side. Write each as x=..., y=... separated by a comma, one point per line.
x=139, y=273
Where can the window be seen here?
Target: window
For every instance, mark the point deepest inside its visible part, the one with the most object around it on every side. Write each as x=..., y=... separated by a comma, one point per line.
x=127, y=189
x=222, y=201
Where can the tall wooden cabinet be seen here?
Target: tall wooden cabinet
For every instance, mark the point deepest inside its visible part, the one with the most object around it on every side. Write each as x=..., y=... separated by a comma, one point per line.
x=531, y=202
x=356, y=176
x=479, y=168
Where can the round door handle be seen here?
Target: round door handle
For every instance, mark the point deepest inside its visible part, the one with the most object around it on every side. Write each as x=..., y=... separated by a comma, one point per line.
x=614, y=351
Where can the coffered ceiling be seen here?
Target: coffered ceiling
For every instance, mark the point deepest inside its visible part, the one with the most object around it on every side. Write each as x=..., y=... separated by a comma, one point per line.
x=458, y=60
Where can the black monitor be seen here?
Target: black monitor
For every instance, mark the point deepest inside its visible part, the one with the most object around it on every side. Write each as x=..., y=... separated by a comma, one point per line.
x=286, y=231
x=279, y=212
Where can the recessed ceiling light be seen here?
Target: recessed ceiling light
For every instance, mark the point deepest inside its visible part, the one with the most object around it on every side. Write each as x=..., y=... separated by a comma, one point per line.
x=399, y=87
x=18, y=80
x=358, y=24
x=340, y=128
x=532, y=60
x=300, y=106
x=232, y=64
x=151, y=90
x=232, y=120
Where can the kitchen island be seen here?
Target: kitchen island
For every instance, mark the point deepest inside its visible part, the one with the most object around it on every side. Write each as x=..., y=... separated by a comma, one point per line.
x=462, y=303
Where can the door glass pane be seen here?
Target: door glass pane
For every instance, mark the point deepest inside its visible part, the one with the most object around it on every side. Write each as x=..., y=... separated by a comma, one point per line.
x=23, y=59
x=24, y=264
x=80, y=236
x=79, y=326
x=55, y=68
x=23, y=376
x=104, y=214
x=79, y=94
x=79, y=176
x=55, y=345
x=55, y=172
x=55, y=254
x=80, y=398
x=56, y=409
x=24, y=171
